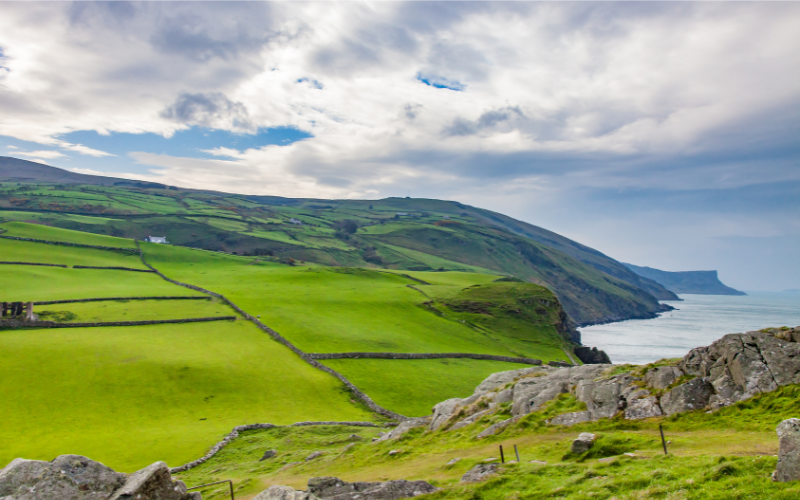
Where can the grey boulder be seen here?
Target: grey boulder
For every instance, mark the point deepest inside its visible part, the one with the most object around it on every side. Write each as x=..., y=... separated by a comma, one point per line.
x=73, y=477
x=693, y=395
x=584, y=442
x=788, y=451
x=268, y=454
x=662, y=376
x=284, y=493
x=479, y=473
x=332, y=488
x=643, y=408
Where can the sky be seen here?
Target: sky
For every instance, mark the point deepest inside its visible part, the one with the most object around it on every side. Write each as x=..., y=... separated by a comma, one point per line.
x=662, y=134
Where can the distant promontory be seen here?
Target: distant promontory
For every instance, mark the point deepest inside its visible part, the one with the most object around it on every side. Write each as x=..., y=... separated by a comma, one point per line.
x=693, y=282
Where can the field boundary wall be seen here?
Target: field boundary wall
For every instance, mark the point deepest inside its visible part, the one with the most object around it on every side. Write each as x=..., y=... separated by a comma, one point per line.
x=69, y=301
x=32, y=264
x=130, y=251
x=372, y=405
x=114, y=268
x=241, y=428
x=403, y=355
x=54, y=324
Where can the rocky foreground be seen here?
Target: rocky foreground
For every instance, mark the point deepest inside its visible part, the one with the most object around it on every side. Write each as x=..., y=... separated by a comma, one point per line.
x=732, y=369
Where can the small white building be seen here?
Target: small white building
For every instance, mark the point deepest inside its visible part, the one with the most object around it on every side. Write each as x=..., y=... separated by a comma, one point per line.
x=401, y=213
x=157, y=239
x=295, y=221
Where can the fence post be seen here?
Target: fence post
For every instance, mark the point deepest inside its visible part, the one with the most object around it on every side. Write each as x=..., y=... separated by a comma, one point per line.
x=502, y=457
x=663, y=442
x=516, y=452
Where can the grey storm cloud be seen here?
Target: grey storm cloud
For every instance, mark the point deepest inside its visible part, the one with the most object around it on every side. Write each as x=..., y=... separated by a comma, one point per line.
x=488, y=120
x=212, y=109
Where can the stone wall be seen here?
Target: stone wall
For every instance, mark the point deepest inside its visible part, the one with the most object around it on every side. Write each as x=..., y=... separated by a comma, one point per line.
x=31, y=264
x=115, y=268
x=403, y=355
x=68, y=301
x=241, y=428
x=53, y=324
x=130, y=251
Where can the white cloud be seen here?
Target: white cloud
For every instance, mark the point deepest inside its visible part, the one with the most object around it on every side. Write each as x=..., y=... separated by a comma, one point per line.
x=41, y=154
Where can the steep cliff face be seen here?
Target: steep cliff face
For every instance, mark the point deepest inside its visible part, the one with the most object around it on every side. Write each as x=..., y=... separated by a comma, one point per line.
x=693, y=282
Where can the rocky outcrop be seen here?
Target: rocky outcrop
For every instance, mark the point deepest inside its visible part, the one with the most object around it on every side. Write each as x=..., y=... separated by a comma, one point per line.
x=592, y=356
x=332, y=488
x=789, y=451
x=73, y=477
x=404, y=427
x=732, y=369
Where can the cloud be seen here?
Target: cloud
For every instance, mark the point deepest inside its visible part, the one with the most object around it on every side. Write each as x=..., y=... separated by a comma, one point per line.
x=212, y=110
x=40, y=154
x=653, y=104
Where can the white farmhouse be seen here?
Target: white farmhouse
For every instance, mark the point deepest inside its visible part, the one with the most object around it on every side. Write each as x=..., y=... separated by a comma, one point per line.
x=157, y=239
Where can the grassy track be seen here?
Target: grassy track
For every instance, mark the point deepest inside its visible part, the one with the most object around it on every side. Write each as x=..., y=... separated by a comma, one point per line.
x=412, y=387
x=133, y=310
x=26, y=251
x=52, y=283
x=128, y=396
x=40, y=232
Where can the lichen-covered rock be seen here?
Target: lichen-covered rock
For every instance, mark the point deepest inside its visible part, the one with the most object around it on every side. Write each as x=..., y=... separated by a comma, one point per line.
x=332, y=488
x=661, y=377
x=443, y=411
x=584, y=442
x=284, y=493
x=73, y=477
x=693, y=395
x=314, y=455
x=643, y=408
x=788, y=451
x=495, y=428
x=479, y=473
x=572, y=418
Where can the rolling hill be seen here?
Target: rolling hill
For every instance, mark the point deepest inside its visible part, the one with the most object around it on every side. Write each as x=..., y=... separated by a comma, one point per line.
x=391, y=234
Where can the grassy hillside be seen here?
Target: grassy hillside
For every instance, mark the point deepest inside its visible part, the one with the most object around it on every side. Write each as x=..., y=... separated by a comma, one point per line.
x=728, y=454
x=395, y=233
x=131, y=395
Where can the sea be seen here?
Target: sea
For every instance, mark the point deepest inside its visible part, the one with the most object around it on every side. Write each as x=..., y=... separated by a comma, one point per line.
x=697, y=321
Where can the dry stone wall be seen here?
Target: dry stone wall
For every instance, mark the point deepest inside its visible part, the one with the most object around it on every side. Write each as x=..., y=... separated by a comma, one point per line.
x=403, y=355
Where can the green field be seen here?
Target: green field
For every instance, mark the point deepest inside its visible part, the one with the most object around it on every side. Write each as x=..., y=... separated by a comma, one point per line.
x=27, y=251
x=24, y=283
x=128, y=396
x=334, y=310
x=133, y=310
x=412, y=387
x=41, y=232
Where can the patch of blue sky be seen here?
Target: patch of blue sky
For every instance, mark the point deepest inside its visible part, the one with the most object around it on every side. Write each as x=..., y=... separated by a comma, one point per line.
x=190, y=143
x=441, y=83
x=314, y=83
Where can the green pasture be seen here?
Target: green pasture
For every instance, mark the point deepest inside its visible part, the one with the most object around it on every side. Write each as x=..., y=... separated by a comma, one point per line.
x=129, y=396
x=41, y=232
x=133, y=310
x=412, y=387
x=27, y=251
x=344, y=309
x=329, y=310
x=224, y=224
x=39, y=283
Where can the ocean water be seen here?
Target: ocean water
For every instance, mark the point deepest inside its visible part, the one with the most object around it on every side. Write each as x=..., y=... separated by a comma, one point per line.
x=699, y=320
